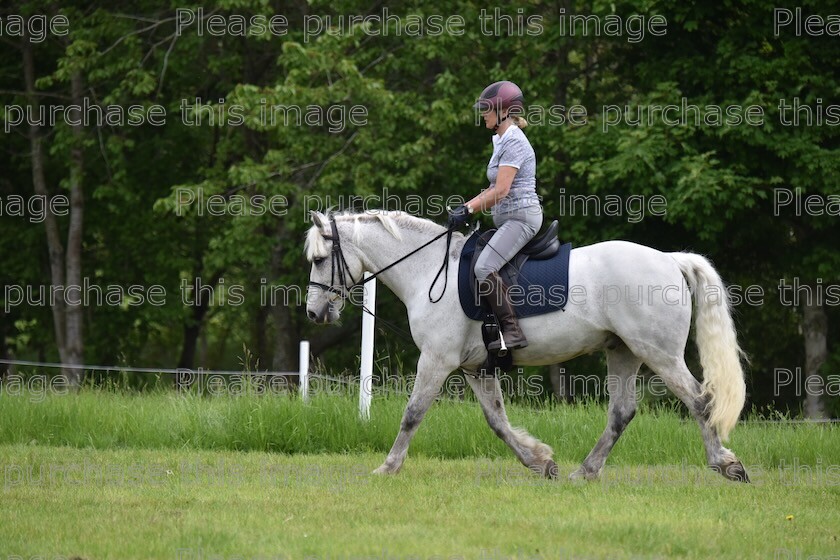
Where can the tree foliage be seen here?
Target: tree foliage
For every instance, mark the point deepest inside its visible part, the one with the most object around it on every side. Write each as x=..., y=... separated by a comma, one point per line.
x=147, y=188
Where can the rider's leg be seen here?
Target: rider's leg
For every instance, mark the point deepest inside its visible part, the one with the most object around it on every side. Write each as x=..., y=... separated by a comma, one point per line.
x=516, y=228
x=494, y=289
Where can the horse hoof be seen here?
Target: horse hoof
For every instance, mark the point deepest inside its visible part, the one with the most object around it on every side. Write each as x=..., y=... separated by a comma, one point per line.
x=383, y=470
x=581, y=475
x=733, y=471
x=551, y=471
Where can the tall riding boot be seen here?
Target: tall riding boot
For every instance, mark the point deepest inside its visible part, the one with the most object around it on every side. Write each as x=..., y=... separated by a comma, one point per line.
x=496, y=292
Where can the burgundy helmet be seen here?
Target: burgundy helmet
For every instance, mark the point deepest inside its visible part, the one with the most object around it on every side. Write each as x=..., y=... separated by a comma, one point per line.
x=500, y=96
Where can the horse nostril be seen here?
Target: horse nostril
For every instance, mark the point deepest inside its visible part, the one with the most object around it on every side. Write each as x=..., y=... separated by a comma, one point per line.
x=312, y=315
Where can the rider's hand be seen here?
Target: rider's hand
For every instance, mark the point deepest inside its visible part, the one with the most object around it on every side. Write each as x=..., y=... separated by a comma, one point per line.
x=458, y=217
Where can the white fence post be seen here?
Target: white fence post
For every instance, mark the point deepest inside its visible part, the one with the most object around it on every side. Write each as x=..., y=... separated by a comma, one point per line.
x=303, y=378
x=366, y=370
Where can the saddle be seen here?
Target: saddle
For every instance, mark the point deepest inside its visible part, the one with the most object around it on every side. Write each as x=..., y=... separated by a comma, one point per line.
x=543, y=246
x=540, y=269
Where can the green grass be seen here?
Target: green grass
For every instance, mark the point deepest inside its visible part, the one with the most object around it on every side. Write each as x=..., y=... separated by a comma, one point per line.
x=330, y=424
x=138, y=503
x=109, y=474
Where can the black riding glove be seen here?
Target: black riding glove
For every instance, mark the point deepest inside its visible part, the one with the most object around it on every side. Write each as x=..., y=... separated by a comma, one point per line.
x=458, y=217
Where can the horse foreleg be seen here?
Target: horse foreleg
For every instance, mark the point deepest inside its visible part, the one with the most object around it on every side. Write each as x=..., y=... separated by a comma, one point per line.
x=531, y=452
x=431, y=372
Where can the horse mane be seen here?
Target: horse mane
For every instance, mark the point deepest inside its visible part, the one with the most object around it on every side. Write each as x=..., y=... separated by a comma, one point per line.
x=392, y=220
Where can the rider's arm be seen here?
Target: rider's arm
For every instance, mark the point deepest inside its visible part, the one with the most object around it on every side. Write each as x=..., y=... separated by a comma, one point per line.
x=493, y=194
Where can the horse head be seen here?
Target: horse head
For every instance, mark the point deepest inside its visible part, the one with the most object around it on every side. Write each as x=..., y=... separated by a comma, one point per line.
x=335, y=270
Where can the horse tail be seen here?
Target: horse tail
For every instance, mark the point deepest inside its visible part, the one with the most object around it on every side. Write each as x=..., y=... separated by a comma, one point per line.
x=720, y=356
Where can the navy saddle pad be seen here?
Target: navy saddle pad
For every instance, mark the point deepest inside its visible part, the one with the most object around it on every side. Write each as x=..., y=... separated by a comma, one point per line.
x=538, y=285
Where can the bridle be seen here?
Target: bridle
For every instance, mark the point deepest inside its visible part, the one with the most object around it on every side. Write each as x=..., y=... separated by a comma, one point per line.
x=339, y=267
x=341, y=271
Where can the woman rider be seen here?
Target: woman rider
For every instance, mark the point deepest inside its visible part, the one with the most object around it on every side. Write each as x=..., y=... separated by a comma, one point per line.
x=512, y=195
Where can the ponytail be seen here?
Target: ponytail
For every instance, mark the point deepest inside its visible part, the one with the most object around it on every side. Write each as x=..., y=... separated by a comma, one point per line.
x=519, y=121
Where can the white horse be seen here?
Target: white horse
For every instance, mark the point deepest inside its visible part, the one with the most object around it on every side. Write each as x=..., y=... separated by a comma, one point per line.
x=625, y=299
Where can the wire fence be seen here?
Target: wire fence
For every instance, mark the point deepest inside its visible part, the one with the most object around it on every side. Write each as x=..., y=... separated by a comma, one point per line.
x=307, y=376
x=196, y=373
x=117, y=369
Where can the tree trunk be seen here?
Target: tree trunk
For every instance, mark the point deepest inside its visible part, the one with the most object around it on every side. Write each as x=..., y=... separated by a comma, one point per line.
x=260, y=338
x=285, y=345
x=815, y=330
x=285, y=332
x=192, y=328
x=74, y=314
x=4, y=348
x=561, y=95
x=557, y=376
x=39, y=182
x=285, y=340
x=65, y=268
x=191, y=331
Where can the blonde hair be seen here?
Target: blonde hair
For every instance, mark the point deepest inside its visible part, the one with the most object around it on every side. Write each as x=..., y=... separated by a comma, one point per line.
x=519, y=121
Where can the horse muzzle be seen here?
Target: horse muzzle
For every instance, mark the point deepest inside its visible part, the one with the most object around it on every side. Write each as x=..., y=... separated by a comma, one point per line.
x=325, y=313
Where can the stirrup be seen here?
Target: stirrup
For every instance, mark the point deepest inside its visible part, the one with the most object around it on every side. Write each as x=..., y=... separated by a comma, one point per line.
x=503, y=349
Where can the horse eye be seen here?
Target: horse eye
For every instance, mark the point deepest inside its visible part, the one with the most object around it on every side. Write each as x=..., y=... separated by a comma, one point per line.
x=318, y=260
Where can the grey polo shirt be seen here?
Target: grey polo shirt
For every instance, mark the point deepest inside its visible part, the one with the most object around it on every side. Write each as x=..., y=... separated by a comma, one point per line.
x=514, y=150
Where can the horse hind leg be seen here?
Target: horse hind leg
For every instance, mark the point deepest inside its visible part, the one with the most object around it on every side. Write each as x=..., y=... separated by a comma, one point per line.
x=531, y=452
x=679, y=380
x=622, y=367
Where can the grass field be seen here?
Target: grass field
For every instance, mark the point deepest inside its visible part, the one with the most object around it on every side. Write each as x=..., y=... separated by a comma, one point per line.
x=110, y=475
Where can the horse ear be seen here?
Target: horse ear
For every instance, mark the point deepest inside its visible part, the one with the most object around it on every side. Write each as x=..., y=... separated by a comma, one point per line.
x=317, y=218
